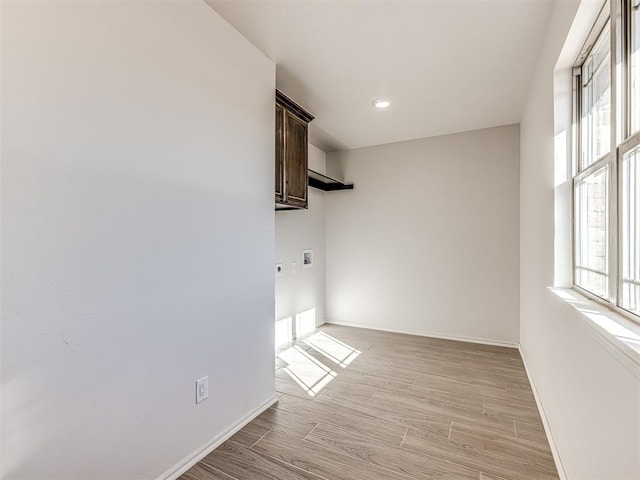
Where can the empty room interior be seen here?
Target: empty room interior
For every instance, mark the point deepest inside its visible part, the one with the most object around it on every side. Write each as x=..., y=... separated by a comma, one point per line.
x=320, y=240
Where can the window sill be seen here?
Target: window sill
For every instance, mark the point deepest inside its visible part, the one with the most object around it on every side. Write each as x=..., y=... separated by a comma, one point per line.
x=619, y=335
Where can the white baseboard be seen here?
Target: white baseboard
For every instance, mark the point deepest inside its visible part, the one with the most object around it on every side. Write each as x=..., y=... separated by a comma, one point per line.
x=190, y=460
x=482, y=341
x=545, y=422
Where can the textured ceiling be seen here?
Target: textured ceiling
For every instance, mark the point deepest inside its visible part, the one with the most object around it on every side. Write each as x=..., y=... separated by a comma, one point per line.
x=448, y=66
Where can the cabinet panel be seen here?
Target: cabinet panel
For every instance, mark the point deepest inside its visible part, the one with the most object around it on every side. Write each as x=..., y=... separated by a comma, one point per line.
x=295, y=163
x=279, y=153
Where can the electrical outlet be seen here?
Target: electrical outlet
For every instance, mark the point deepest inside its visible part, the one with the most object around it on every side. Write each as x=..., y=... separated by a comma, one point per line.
x=202, y=389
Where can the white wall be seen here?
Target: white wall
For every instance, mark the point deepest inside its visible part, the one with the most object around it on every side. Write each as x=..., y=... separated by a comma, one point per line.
x=301, y=295
x=137, y=235
x=427, y=242
x=591, y=400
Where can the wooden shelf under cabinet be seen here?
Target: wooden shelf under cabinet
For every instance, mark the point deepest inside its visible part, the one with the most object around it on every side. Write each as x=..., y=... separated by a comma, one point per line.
x=326, y=183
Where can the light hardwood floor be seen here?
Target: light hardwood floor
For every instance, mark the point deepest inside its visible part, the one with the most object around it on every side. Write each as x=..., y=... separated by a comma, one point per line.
x=360, y=404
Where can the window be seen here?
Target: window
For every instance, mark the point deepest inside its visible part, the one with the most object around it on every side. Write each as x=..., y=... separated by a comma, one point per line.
x=634, y=65
x=606, y=180
x=596, y=102
x=630, y=228
x=591, y=259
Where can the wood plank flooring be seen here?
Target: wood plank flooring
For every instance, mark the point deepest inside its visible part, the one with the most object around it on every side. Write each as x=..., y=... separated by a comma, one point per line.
x=357, y=404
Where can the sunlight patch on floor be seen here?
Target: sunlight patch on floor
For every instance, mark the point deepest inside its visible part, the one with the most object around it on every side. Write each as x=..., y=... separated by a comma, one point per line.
x=308, y=372
x=332, y=348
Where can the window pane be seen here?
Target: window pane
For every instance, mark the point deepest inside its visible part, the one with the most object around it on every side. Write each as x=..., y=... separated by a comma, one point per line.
x=631, y=231
x=620, y=126
x=596, y=102
x=591, y=220
x=634, y=64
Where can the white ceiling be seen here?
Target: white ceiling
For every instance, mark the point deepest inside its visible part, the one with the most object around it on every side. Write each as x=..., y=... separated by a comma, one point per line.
x=447, y=65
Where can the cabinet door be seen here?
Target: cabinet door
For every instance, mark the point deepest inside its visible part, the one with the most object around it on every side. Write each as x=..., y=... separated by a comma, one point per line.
x=295, y=160
x=279, y=153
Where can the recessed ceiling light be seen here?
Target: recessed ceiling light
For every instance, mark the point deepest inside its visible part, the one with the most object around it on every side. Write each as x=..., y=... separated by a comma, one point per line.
x=382, y=103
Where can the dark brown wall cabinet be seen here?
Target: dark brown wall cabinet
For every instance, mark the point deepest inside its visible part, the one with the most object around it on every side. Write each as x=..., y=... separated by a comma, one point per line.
x=291, y=153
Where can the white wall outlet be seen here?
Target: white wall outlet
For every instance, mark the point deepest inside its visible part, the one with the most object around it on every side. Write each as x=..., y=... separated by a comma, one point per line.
x=202, y=389
x=279, y=269
x=294, y=267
